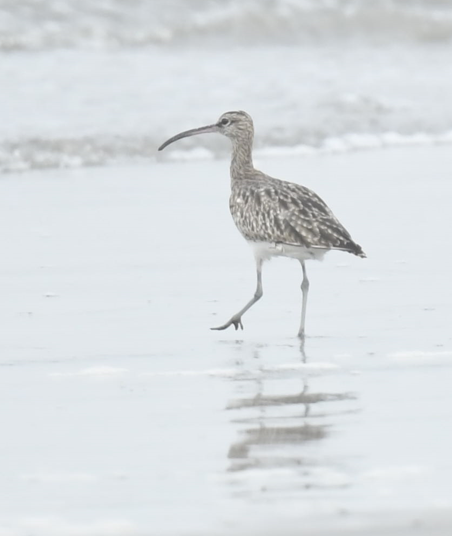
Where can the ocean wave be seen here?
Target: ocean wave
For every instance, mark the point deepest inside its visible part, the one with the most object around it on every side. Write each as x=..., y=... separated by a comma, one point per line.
x=38, y=24
x=48, y=153
x=35, y=154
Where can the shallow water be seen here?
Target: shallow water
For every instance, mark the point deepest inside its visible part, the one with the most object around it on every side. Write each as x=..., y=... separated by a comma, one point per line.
x=122, y=413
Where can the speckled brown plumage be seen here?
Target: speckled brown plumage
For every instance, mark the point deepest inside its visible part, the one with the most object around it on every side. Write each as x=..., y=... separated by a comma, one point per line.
x=270, y=210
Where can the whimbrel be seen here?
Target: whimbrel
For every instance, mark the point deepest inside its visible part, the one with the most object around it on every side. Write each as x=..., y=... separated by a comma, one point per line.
x=276, y=218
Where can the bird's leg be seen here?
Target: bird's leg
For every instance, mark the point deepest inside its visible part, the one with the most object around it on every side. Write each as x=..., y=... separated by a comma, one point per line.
x=236, y=320
x=304, y=290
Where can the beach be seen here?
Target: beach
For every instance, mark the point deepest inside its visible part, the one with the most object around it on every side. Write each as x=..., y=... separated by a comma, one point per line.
x=123, y=413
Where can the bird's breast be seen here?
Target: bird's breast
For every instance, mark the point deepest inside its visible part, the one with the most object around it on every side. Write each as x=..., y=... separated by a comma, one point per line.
x=267, y=250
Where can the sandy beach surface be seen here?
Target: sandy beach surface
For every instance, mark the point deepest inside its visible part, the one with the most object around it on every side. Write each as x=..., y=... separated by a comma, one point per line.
x=123, y=414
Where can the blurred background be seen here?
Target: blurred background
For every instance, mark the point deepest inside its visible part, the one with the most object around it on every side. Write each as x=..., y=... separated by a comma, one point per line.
x=92, y=82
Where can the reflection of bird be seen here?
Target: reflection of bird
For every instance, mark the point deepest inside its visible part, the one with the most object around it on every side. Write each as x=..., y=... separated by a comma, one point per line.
x=277, y=218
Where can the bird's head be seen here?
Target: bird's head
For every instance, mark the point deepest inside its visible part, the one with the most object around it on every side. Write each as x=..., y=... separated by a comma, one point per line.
x=238, y=126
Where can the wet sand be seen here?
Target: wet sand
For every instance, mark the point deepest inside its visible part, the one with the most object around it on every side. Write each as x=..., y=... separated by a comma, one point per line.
x=122, y=413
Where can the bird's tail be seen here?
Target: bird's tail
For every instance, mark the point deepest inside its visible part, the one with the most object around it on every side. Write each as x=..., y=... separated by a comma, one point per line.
x=358, y=251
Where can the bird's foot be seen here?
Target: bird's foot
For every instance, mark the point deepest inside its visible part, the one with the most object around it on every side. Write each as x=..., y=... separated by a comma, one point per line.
x=235, y=321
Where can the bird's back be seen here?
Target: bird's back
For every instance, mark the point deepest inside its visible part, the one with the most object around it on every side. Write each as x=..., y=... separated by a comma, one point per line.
x=265, y=209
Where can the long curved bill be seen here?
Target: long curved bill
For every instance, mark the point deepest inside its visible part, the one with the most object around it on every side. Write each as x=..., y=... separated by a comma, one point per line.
x=187, y=133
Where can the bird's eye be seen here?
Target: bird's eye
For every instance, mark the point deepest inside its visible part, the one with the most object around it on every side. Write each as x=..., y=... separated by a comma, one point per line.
x=225, y=121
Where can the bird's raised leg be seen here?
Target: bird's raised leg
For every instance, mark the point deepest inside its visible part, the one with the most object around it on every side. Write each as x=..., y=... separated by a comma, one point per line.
x=236, y=320
x=304, y=290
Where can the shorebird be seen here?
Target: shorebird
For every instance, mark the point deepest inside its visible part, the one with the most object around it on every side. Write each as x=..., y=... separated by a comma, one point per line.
x=276, y=218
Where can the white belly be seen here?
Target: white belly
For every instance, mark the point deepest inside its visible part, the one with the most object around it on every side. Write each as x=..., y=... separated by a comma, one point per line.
x=267, y=250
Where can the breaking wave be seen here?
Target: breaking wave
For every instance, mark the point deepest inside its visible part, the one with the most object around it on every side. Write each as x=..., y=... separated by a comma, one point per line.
x=86, y=152
x=38, y=24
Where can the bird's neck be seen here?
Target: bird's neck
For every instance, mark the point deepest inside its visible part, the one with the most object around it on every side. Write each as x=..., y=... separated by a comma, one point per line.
x=242, y=159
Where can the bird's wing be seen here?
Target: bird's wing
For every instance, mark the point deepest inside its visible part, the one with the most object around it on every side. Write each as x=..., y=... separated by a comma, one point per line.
x=283, y=212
